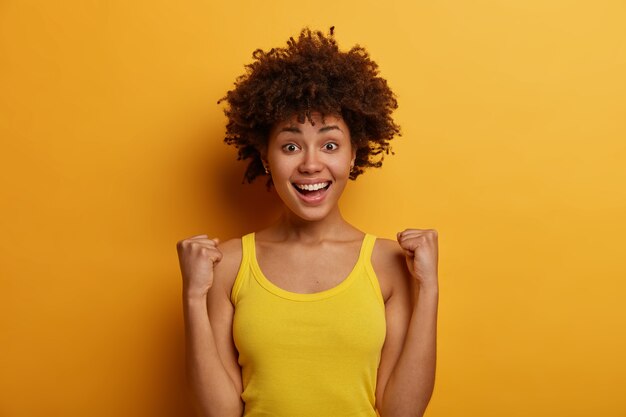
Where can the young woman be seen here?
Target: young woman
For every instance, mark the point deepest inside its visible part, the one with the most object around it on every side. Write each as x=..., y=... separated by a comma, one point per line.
x=311, y=316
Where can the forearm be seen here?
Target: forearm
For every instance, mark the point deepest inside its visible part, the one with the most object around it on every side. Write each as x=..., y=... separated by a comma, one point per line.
x=213, y=389
x=411, y=383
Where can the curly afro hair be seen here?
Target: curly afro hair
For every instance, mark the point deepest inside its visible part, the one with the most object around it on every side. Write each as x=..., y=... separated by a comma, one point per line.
x=311, y=74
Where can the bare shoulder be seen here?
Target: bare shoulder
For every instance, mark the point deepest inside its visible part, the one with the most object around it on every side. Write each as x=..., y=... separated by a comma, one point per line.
x=389, y=264
x=225, y=271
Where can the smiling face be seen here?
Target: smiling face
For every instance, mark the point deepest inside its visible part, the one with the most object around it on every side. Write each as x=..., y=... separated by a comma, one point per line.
x=310, y=165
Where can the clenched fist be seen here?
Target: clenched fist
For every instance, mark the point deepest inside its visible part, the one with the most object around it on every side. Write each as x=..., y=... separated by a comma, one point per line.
x=196, y=256
x=421, y=251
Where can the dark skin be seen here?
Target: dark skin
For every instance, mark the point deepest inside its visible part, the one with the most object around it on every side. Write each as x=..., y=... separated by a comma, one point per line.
x=321, y=78
x=289, y=253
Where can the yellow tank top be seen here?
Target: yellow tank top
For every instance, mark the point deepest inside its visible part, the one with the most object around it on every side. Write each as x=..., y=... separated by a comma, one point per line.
x=313, y=354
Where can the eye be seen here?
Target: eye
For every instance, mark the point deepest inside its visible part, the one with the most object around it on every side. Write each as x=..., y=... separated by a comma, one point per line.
x=330, y=146
x=290, y=147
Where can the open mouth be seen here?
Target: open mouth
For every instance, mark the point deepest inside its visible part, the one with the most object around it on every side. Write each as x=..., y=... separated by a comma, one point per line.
x=312, y=190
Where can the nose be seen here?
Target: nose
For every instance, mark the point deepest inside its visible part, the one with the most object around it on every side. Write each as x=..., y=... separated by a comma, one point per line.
x=311, y=162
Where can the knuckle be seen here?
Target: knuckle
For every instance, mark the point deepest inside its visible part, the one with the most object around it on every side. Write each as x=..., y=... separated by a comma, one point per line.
x=183, y=244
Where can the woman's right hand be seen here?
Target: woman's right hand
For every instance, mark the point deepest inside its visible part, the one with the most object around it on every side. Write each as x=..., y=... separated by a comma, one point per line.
x=196, y=256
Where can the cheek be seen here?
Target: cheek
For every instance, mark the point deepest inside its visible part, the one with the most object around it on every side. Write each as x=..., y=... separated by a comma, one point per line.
x=277, y=162
x=343, y=165
x=282, y=167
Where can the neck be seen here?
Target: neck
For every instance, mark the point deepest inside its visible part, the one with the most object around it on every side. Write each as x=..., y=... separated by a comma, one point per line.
x=292, y=227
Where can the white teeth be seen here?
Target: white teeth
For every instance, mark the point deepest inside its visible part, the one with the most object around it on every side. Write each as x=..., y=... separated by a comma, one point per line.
x=311, y=187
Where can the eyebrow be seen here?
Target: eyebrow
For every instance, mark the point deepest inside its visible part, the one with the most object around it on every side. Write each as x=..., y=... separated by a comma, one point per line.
x=294, y=129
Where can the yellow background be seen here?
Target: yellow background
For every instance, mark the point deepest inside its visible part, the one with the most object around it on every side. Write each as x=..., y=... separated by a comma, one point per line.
x=513, y=148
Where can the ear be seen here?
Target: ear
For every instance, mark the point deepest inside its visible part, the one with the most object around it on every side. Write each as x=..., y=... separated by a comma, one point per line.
x=263, y=155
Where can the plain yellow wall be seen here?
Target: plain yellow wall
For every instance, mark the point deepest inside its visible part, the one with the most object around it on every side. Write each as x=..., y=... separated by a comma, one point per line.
x=513, y=147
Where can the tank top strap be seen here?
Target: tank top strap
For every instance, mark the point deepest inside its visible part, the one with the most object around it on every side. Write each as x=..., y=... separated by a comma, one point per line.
x=247, y=248
x=368, y=247
x=366, y=259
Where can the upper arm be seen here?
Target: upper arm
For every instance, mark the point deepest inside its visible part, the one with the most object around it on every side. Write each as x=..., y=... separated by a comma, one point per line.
x=221, y=310
x=389, y=264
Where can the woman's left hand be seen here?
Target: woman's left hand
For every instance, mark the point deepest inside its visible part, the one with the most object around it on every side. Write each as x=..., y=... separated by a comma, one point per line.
x=420, y=248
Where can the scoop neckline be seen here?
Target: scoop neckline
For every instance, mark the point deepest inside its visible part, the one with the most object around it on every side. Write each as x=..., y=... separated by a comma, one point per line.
x=297, y=296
